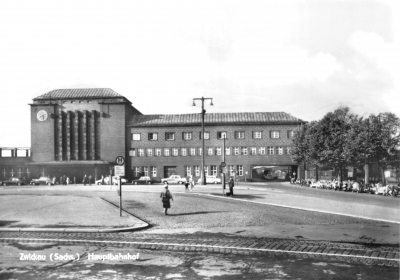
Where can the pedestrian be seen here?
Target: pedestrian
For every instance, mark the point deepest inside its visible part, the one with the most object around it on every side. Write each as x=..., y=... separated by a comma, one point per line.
x=64, y=180
x=84, y=180
x=102, y=179
x=231, y=185
x=90, y=180
x=54, y=180
x=67, y=180
x=74, y=180
x=186, y=186
x=166, y=196
x=191, y=183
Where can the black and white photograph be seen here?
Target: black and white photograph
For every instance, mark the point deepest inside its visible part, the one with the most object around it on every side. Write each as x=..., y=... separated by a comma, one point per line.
x=200, y=139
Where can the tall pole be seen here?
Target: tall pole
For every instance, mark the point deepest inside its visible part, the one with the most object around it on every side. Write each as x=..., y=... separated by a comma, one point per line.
x=202, y=144
x=223, y=174
x=202, y=131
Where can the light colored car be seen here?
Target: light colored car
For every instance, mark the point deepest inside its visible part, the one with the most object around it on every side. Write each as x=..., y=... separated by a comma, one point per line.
x=42, y=181
x=210, y=179
x=174, y=179
x=114, y=180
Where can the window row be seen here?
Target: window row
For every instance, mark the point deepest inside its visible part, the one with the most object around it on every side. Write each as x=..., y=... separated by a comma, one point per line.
x=210, y=151
x=7, y=172
x=151, y=171
x=171, y=136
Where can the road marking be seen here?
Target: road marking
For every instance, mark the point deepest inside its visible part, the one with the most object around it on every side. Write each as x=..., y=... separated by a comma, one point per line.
x=198, y=246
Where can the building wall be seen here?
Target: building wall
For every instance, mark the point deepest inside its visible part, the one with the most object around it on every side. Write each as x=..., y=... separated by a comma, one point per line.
x=42, y=134
x=247, y=161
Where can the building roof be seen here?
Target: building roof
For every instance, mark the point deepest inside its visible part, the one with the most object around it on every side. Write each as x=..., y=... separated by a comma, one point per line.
x=213, y=118
x=79, y=93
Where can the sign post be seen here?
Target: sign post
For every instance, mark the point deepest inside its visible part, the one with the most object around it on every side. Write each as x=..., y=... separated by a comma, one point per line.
x=119, y=170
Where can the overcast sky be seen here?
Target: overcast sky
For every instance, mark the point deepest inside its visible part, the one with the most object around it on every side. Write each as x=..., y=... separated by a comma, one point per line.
x=305, y=58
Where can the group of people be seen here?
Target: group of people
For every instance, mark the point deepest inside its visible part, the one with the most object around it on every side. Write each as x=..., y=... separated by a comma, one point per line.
x=65, y=180
x=166, y=195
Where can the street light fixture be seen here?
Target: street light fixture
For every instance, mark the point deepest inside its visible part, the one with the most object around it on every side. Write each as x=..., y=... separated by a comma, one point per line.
x=202, y=133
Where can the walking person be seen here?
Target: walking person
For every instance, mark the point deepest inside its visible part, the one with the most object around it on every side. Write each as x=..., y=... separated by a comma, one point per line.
x=84, y=180
x=191, y=183
x=64, y=180
x=74, y=180
x=90, y=180
x=187, y=186
x=231, y=184
x=67, y=180
x=166, y=196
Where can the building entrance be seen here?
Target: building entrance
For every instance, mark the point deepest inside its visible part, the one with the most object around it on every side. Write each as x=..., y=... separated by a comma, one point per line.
x=169, y=170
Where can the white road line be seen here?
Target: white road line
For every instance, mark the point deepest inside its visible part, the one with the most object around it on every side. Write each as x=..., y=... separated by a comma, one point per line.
x=200, y=246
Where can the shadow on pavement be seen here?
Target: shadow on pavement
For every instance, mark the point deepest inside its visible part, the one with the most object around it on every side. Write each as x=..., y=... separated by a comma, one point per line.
x=196, y=213
x=241, y=196
x=6, y=223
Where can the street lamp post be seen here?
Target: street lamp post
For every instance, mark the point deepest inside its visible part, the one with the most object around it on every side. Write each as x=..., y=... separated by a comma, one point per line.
x=202, y=134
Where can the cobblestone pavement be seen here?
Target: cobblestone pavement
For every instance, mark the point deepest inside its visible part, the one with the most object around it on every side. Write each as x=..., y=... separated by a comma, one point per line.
x=214, y=243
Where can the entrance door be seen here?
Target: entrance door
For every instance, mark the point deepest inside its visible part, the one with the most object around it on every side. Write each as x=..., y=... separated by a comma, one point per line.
x=169, y=170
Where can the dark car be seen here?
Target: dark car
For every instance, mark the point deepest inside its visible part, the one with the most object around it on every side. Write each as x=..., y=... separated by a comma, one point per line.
x=13, y=181
x=145, y=180
x=42, y=181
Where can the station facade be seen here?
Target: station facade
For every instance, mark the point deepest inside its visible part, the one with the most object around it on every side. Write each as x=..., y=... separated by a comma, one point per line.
x=77, y=132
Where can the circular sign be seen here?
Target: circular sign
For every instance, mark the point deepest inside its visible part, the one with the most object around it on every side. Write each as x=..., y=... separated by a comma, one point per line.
x=223, y=164
x=120, y=160
x=42, y=115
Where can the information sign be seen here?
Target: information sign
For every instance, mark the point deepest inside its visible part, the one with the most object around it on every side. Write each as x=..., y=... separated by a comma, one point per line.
x=119, y=170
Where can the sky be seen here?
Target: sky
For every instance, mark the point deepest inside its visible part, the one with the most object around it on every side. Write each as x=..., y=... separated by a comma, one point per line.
x=302, y=57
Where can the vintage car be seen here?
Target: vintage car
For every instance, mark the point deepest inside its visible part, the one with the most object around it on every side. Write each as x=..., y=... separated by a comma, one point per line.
x=174, y=179
x=144, y=180
x=42, y=181
x=13, y=181
x=106, y=181
x=210, y=179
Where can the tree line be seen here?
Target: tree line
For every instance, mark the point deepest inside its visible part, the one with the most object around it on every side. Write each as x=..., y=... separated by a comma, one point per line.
x=343, y=139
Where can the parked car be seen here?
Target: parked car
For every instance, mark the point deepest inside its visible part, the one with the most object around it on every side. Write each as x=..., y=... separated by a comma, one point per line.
x=174, y=179
x=144, y=180
x=210, y=179
x=42, y=181
x=114, y=180
x=13, y=181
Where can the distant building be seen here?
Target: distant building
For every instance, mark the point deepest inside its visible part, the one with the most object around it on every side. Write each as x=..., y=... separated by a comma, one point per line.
x=82, y=131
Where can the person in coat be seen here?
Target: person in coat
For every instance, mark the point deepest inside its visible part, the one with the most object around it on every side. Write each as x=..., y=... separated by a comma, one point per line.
x=84, y=180
x=166, y=196
x=231, y=185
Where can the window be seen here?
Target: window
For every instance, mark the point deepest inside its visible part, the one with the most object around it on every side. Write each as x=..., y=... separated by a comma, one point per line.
x=12, y=174
x=221, y=135
x=244, y=151
x=183, y=152
x=153, y=171
x=257, y=134
x=288, y=150
x=227, y=151
x=261, y=151
x=145, y=171
x=213, y=170
x=132, y=152
x=200, y=151
x=218, y=151
x=192, y=151
x=19, y=171
x=210, y=151
x=280, y=151
x=240, y=170
x=206, y=135
x=149, y=152
x=158, y=152
x=141, y=152
x=175, y=152
x=188, y=171
x=166, y=152
x=239, y=134
x=270, y=150
x=169, y=136
x=136, y=171
x=153, y=136
x=253, y=151
x=4, y=172
x=290, y=133
x=236, y=151
x=231, y=169
x=187, y=136
x=275, y=134
x=27, y=172
x=136, y=136
x=197, y=171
